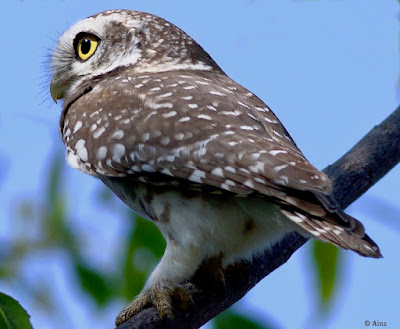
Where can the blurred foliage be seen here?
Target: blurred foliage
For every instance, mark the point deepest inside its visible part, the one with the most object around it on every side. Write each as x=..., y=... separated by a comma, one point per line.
x=231, y=320
x=326, y=260
x=12, y=315
x=94, y=283
x=145, y=245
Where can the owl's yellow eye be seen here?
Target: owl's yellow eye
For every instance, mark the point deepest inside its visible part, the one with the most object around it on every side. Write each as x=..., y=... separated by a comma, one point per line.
x=86, y=45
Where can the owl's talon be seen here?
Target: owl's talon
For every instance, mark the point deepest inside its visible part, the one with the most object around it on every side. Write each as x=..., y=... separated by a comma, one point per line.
x=138, y=304
x=183, y=295
x=162, y=298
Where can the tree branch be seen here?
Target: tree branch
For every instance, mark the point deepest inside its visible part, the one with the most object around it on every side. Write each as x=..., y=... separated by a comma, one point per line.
x=353, y=174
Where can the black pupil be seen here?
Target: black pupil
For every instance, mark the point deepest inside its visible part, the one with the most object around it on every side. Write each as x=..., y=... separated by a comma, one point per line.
x=85, y=46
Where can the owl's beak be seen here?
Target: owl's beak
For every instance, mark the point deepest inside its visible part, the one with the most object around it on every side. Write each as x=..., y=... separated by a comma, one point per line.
x=57, y=87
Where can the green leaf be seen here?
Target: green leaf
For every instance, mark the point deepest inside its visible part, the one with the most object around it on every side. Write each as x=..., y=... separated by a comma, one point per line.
x=143, y=236
x=12, y=314
x=55, y=174
x=231, y=320
x=94, y=283
x=147, y=235
x=326, y=259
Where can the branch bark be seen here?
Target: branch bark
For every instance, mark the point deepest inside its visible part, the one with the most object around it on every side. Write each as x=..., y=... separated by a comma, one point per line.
x=353, y=174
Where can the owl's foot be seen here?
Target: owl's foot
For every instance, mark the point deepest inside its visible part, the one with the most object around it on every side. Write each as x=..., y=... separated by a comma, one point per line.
x=162, y=298
x=211, y=273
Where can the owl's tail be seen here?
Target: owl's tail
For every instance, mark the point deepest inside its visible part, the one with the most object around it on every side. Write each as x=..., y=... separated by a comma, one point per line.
x=326, y=230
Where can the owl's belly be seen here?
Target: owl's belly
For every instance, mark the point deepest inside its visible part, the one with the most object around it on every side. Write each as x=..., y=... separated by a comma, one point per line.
x=212, y=222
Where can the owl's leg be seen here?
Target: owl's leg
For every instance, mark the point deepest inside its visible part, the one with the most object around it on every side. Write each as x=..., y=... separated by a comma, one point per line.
x=165, y=283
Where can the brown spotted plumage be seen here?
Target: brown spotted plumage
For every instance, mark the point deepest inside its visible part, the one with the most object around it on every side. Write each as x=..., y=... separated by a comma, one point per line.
x=148, y=111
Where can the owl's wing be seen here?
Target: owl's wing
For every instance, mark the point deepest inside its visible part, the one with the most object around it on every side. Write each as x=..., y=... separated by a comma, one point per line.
x=201, y=127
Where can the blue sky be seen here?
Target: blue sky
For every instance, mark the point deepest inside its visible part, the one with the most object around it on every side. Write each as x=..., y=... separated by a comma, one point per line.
x=328, y=69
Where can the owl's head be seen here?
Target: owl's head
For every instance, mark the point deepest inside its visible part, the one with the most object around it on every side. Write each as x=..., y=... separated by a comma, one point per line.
x=118, y=39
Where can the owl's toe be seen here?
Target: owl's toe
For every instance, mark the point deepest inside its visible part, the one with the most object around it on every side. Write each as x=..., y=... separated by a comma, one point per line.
x=139, y=303
x=162, y=298
x=183, y=295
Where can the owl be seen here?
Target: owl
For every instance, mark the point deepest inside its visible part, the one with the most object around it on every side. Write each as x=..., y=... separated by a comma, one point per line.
x=148, y=112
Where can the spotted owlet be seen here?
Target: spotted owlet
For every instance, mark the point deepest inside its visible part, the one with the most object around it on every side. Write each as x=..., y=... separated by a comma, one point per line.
x=149, y=112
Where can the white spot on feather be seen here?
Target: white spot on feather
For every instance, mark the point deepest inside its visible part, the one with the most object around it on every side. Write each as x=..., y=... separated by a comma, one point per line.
x=165, y=95
x=72, y=160
x=285, y=179
x=118, y=134
x=147, y=168
x=197, y=175
x=101, y=153
x=259, y=180
x=166, y=171
x=244, y=105
x=230, y=182
x=246, y=127
x=218, y=172
x=249, y=183
x=118, y=152
x=258, y=167
x=81, y=150
x=165, y=140
x=179, y=136
x=279, y=168
x=99, y=132
x=169, y=114
x=77, y=126
x=204, y=116
x=275, y=152
x=230, y=169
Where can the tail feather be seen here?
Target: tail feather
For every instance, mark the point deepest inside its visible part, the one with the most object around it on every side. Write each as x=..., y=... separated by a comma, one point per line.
x=354, y=239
